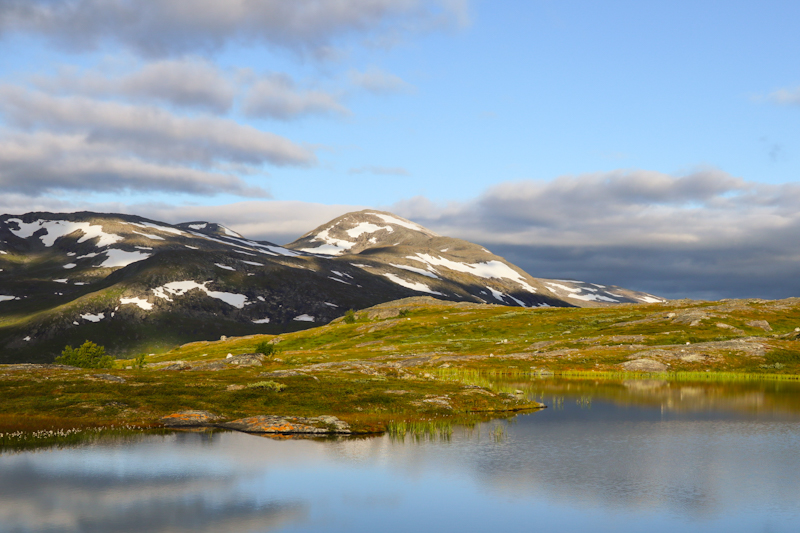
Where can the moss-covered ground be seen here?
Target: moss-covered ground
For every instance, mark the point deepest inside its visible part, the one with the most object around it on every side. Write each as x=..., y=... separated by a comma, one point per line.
x=414, y=360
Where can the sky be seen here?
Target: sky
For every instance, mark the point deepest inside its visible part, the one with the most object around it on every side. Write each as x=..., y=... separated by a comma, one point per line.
x=651, y=145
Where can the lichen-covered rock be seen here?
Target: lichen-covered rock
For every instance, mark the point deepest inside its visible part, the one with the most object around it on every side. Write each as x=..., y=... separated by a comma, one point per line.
x=247, y=359
x=212, y=365
x=280, y=374
x=289, y=425
x=760, y=324
x=189, y=419
x=644, y=365
x=109, y=377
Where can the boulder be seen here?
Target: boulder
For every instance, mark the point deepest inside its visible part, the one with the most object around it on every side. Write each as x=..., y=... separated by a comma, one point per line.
x=247, y=359
x=760, y=324
x=644, y=365
x=189, y=419
x=318, y=425
x=109, y=377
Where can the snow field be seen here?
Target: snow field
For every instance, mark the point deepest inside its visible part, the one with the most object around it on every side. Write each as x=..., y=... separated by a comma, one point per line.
x=139, y=302
x=60, y=228
x=179, y=288
x=419, y=287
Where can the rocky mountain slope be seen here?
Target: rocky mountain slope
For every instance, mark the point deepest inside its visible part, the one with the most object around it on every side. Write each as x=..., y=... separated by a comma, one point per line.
x=135, y=284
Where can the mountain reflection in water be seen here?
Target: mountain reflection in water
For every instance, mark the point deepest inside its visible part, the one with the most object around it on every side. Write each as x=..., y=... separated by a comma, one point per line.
x=614, y=456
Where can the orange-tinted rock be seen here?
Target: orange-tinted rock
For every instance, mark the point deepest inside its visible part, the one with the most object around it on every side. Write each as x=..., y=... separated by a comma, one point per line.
x=289, y=425
x=189, y=419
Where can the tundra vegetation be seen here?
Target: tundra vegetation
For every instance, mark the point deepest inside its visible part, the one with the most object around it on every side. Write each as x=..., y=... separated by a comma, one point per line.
x=416, y=366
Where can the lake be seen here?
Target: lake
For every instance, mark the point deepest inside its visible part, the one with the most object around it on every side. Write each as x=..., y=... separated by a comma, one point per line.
x=605, y=456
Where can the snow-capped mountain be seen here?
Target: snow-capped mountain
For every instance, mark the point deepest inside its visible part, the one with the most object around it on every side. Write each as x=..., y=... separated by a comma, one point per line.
x=138, y=284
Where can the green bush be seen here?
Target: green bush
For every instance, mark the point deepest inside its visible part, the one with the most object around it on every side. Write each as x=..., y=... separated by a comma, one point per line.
x=404, y=313
x=138, y=361
x=88, y=355
x=267, y=348
x=350, y=317
x=268, y=385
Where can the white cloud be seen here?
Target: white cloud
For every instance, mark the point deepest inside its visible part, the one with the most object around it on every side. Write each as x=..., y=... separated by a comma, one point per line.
x=40, y=163
x=189, y=82
x=786, y=96
x=383, y=171
x=175, y=27
x=377, y=81
x=148, y=131
x=276, y=96
x=704, y=234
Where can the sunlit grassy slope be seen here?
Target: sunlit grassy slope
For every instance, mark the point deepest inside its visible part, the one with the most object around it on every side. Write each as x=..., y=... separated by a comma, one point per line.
x=754, y=336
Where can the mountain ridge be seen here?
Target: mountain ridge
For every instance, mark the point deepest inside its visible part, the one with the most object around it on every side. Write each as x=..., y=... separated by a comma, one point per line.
x=66, y=276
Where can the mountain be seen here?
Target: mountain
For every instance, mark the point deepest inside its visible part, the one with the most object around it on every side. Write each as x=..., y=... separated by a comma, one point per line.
x=135, y=284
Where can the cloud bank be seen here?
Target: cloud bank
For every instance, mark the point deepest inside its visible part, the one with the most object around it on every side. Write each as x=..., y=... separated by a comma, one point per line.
x=704, y=235
x=177, y=27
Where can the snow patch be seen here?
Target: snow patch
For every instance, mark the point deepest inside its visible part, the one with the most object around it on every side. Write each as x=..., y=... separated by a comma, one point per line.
x=226, y=267
x=304, y=318
x=63, y=280
x=489, y=270
x=156, y=226
x=198, y=226
x=649, y=299
x=191, y=247
x=417, y=270
x=419, y=287
x=60, y=228
x=70, y=265
x=592, y=298
x=497, y=294
x=94, y=318
x=366, y=227
x=410, y=225
x=229, y=232
x=253, y=263
x=149, y=236
x=261, y=321
x=332, y=246
x=141, y=303
x=339, y=280
x=330, y=304
x=558, y=286
x=143, y=247
x=88, y=256
x=28, y=338
x=179, y=288
x=121, y=258
x=6, y=298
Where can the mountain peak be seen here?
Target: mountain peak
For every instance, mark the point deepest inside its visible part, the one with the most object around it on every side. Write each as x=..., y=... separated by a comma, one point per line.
x=209, y=228
x=357, y=231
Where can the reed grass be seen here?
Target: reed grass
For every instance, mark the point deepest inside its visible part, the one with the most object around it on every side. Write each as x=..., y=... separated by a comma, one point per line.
x=419, y=430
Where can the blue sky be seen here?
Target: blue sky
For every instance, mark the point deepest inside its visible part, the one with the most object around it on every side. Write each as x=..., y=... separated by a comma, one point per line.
x=563, y=134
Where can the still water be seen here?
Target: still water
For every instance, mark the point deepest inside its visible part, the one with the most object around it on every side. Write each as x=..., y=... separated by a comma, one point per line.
x=619, y=456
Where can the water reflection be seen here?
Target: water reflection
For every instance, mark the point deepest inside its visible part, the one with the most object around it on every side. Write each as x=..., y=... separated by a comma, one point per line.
x=613, y=457
x=146, y=486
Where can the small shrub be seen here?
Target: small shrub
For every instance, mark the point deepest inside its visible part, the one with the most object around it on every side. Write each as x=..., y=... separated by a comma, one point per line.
x=88, y=355
x=267, y=385
x=138, y=361
x=267, y=348
x=350, y=317
x=403, y=313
